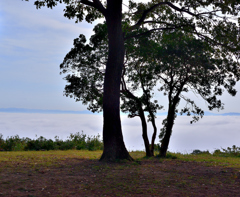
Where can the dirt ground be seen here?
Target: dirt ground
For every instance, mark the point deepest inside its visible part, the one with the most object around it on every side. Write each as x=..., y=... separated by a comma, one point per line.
x=149, y=177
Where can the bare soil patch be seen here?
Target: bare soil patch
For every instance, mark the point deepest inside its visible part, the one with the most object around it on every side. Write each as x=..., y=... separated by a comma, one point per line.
x=149, y=177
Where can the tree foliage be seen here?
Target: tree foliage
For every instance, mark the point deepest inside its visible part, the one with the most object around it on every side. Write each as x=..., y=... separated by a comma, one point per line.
x=184, y=63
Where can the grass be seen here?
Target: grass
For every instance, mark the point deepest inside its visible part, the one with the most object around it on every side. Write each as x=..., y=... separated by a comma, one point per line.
x=51, y=157
x=209, y=159
x=45, y=158
x=79, y=173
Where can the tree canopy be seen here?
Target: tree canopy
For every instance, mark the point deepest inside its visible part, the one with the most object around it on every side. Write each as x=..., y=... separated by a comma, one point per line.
x=184, y=64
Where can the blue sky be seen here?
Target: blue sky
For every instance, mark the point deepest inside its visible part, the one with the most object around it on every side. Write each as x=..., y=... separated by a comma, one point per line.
x=33, y=43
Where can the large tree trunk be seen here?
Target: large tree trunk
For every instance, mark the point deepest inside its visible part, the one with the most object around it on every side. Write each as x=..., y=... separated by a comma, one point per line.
x=114, y=147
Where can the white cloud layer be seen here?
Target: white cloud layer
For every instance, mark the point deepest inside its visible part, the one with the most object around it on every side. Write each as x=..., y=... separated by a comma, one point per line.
x=210, y=133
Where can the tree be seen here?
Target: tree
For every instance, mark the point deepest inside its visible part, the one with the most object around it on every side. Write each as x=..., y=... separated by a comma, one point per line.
x=85, y=78
x=185, y=63
x=213, y=26
x=141, y=75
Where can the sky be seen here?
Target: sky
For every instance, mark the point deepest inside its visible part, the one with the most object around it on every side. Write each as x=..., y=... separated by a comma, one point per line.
x=33, y=43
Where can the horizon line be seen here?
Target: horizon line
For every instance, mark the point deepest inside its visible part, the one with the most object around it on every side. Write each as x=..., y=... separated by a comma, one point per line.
x=49, y=111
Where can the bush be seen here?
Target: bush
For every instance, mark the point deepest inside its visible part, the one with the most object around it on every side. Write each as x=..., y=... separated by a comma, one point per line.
x=40, y=144
x=234, y=151
x=197, y=152
x=170, y=155
x=77, y=141
x=94, y=143
x=13, y=143
x=228, y=152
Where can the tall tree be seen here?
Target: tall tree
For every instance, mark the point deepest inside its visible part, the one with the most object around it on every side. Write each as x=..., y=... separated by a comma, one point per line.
x=184, y=64
x=206, y=19
x=141, y=75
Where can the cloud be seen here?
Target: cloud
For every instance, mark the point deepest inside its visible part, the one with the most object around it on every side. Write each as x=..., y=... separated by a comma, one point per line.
x=48, y=125
x=212, y=132
x=186, y=137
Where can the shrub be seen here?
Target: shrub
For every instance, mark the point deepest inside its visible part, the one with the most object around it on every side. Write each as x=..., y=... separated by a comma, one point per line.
x=13, y=143
x=196, y=152
x=77, y=141
x=170, y=155
x=228, y=152
x=67, y=145
x=234, y=151
x=94, y=143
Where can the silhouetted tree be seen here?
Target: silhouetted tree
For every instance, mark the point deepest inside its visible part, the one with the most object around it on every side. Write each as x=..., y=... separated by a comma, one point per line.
x=184, y=64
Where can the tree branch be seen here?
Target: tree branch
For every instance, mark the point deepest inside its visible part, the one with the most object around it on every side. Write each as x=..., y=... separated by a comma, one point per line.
x=95, y=4
x=141, y=34
x=144, y=15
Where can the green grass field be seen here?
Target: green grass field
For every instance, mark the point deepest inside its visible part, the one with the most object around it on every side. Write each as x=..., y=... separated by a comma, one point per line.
x=51, y=157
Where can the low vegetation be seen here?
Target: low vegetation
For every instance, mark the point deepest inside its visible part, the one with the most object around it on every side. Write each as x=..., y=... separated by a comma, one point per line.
x=78, y=141
x=79, y=173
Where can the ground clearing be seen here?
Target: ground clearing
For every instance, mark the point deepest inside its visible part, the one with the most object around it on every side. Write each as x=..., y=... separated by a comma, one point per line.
x=79, y=173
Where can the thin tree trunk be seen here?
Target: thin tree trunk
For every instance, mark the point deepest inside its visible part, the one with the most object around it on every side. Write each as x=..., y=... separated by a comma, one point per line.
x=144, y=133
x=153, y=135
x=114, y=147
x=129, y=95
x=173, y=102
x=166, y=139
x=170, y=121
x=152, y=118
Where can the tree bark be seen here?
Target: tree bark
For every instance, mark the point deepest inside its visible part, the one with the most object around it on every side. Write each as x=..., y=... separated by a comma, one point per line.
x=153, y=135
x=166, y=139
x=114, y=147
x=151, y=149
x=129, y=95
x=144, y=132
x=170, y=121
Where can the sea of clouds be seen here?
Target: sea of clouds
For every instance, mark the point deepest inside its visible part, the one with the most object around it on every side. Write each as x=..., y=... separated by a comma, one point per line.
x=210, y=133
